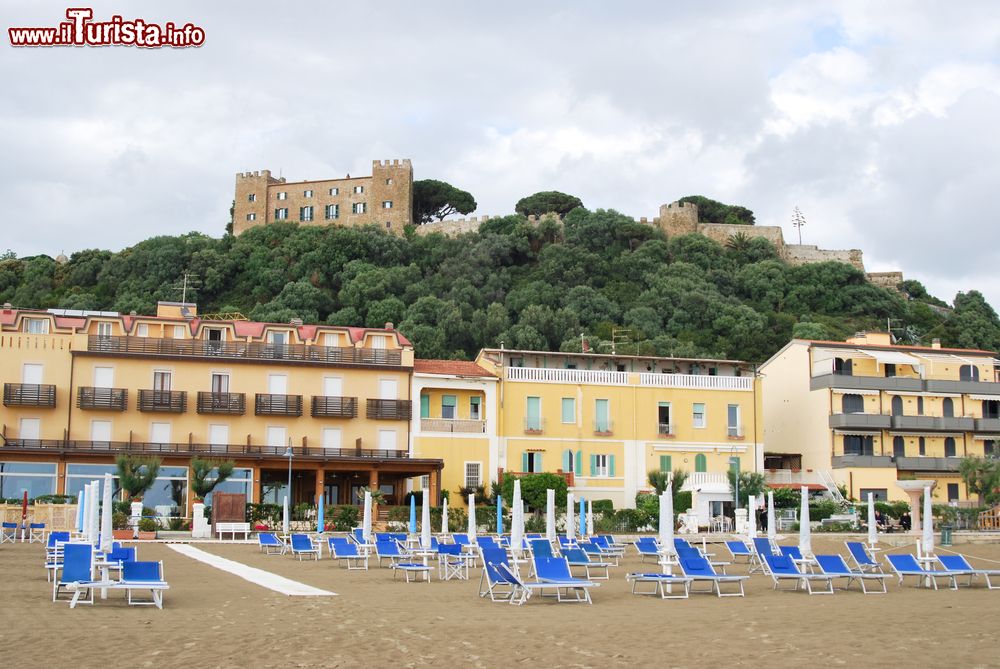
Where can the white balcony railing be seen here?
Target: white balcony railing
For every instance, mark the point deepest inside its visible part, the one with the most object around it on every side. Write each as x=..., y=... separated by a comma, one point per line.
x=452, y=425
x=588, y=376
x=697, y=479
x=734, y=431
x=696, y=381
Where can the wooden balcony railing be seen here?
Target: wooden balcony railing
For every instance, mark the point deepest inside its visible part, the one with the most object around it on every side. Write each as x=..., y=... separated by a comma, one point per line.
x=389, y=409
x=229, y=450
x=29, y=395
x=278, y=405
x=163, y=401
x=110, y=399
x=332, y=355
x=234, y=404
x=329, y=406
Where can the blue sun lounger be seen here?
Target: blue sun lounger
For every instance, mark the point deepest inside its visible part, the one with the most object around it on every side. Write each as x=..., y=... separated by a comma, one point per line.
x=647, y=547
x=554, y=573
x=698, y=569
x=77, y=574
x=399, y=561
x=520, y=590
x=270, y=544
x=143, y=576
x=595, y=551
x=660, y=583
x=347, y=552
x=834, y=565
x=904, y=565
x=958, y=564
x=860, y=556
x=577, y=557
x=540, y=548
x=302, y=545
x=783, y=568
x=492, y=582
x=738, y=549
x=691, y=551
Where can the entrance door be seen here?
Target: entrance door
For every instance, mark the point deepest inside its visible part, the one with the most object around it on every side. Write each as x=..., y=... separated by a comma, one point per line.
x=331, y=492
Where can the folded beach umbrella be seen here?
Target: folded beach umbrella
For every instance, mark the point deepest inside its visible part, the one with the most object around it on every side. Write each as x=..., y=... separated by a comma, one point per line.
x=499, y=514
x=93, y=521
x=366, y=519
x=106, y=535
x=928, y=521
x=444, y=516
x=805, y=537
x=751, y=517
x=320, y=525
x=872, y=525
x=550, y=514
x=472, y=518
x=583, y=518
x=80, y=504
x=517, y=512
x=666, y=535
x=570, y=521
x=413, y=514
x=425, y=519
x=772, y=530
x=285, y=523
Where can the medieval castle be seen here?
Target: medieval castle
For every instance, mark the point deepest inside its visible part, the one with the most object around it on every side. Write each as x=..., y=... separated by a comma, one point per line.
x=386, y=199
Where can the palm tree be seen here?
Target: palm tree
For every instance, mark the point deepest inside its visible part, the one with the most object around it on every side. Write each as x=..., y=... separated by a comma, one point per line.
x=738, y=242
x=981, y=476
x=136, y=475
x=201, y=485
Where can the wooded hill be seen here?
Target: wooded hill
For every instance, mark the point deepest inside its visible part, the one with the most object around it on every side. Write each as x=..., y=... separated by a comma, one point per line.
x=529, y=286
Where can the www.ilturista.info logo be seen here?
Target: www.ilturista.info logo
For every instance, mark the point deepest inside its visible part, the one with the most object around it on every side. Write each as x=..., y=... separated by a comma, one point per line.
x=81, y=30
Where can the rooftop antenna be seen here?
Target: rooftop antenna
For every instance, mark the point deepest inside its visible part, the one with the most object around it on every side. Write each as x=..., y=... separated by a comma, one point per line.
x=798, y=220
x=618, y=334
x=186, y=283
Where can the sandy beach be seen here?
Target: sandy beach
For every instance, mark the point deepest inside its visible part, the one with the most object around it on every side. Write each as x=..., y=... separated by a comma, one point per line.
x=214, y=619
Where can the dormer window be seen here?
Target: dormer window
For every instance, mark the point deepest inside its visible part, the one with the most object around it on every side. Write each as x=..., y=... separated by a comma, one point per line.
x=378, y=341
x=104, y=329
x=36, y=325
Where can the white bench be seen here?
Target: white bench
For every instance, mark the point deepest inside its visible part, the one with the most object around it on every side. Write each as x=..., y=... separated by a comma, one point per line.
x=233, y=529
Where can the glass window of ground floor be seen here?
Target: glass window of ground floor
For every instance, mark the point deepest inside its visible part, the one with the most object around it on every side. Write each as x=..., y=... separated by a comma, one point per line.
x=35, y=478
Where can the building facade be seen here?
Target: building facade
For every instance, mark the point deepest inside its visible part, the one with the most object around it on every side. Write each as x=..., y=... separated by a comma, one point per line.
x=865, y=414
x=384, y=199
x=80, y=389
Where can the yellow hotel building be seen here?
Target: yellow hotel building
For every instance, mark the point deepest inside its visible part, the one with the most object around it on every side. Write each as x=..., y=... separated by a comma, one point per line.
x=866, y=413
x=80, y=388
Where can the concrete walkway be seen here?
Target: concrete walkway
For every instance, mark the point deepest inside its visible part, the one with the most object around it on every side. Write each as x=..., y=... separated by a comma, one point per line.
x=257, y=576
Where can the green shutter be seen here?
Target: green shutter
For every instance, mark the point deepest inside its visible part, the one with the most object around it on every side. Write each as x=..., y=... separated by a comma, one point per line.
x=538, y=463
x=700, y=463
x=567, y=460
x=579, y=463
x=665, y=463
x=568, y=410
x=524, y=461
x=611, y=465
x=425, y=406
x=593, y=465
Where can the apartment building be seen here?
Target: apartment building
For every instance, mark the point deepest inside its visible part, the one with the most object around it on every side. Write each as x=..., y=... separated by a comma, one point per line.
x=866, y=413
x=331, y=404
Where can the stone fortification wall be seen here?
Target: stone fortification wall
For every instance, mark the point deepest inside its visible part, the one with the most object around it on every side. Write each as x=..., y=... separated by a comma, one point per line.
x=721, y=232
x=802, y=254
x=890, y=280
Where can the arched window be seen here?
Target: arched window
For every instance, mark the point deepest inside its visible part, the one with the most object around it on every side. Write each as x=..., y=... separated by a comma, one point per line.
x=949, y=447
x=843, y=366
x=853, y=404
x=700, y=463
x=897, y=405
x=991, y=408
x=898, y=447
x=948, y=407
x=968, y=373
x=920, y=405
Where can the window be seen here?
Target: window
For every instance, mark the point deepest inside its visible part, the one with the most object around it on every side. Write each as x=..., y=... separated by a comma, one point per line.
x=35, y=478
x=948, y=407
x=104, y=329
x=100, y=431
x=281, y=214
x=178, y=332
x=334, y=191
x=305, y=213
x=425, y=406
x=666, y=463
x=282, y=195
x=36, y=325
x=307, y=193
x=448, y=407
x=700, y=463
x=920, y=406
x=878, y=494
x=29, y=429
x=388, y=182
x=663, y=418
x=991, y=408
x=949, y=447
x=168, y=496
x=277, y=384
x=388, y=224
x=331, y=437
x=358, y=208
x=698, y=415
x=161, y=381
x=78, y=476
x=890, y=369
x=387, y=440
x=277, y=338
x=32, y=373
x=378, y=341
x=856, y=444
x=142, y=330
x=220, y=383
x=533, y=414
x=568, y=410
x=989, y=448
x=275, y=436
x=251, y=217
x=159, y=433
x=922, y=446
x=897, y=405
x=104, y=377
x=387, y=204
x=852, y=404
x=218, y=437
x=359, y=189
x=898, y=448
x=733, y=426
x=475, y=409
x=570, y=462
x=843, y=367
x=388, y=389
x=531, y=462
x=332, y=211
x=240, y=481
x=968, y=373
x=602, y=465
x=333, y=386
x=473, y=474
x=252, y=197
x=602, y=417
x=952, y=492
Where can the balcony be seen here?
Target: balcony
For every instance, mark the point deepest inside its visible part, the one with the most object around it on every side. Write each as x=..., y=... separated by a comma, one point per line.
x=573, y=376
x=898, y=383
x=860, y=421
x=29, y=395
x=233, y=404
x=163, y=401
x=933, y=423
x=109, y=399
x=696, y=381
x=534, y=425
x=454, y=425
x=919, y=464
x=389, y=409
x=277, y=405
x=664, y=430
x=734, y=432
x=866, y=461
x=240, y=350
x=604, y=428
x=328, y=406
x=255, y=451
x=987, y=424
x=968, y=387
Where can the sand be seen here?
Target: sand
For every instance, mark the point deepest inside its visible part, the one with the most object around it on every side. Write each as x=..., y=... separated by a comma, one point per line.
x=213, y=619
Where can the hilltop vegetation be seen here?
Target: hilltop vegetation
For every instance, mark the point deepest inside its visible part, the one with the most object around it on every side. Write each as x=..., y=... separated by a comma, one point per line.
x=536, y=287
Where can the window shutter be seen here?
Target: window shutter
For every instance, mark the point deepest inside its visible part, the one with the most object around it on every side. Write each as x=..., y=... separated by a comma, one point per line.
x=611, y=465
x=700, y=464
x=567, y=460
x=593, y=465
x=664, y=463
x=538, y=463
x=524, y=461
x=579, y=463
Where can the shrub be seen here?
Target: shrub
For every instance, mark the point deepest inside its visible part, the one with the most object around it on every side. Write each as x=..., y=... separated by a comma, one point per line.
x=835, y=527
x=533, y=489
x=823, y=509
x=604, y=506
x=399, y=514
x=177, y=524
x=682, y=502
x=533, y=523
x=119, y=521
x=55, y=499
x=264, y=514
x=787, y=498
x=148, y=525
x=344, y=517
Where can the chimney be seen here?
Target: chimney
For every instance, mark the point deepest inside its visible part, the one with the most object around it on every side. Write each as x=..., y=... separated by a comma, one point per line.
x=388, y=326
x=585, y=346
x=297, y=322
x=935, y=343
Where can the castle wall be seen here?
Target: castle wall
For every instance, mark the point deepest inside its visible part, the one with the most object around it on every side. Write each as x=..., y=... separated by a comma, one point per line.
x=802, y=254
x=889, y=280
x=721, y=232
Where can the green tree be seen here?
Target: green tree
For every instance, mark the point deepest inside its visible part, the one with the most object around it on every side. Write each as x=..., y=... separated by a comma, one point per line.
x=982, y=478
x=807, y=330
x=434, y=199
x=750, y=483
x=547, y=202
x=136, y=474
x=533, y=489
x=713, y=211
x=202, y=481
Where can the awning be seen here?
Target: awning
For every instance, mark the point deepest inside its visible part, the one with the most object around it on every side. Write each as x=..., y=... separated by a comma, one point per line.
x=938, y=435
x=947, y=358
x=892, y=358
x=858, y=433
x=984, y=397
x=854, y=391
x=986, y=437
x=920, y=393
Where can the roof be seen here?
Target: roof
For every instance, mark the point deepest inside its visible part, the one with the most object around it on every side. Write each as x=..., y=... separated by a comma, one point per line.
x=611, y=356
x=897, y=347
x=449, y=367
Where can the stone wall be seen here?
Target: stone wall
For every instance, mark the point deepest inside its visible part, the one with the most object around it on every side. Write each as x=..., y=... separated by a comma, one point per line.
x=889, y=280
x=721, y=232
x=796, y=254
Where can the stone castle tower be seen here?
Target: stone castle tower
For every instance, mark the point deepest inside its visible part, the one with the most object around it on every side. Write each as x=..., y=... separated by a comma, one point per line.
x=679, y=218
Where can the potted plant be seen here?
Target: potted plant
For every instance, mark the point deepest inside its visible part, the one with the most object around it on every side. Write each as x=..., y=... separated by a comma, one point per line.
x=119, y=526
x=201, y=469
x=136, y=475
x=147, y=529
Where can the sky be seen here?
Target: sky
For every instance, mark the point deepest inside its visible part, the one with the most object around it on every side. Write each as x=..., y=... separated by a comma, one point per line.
x=877, y=120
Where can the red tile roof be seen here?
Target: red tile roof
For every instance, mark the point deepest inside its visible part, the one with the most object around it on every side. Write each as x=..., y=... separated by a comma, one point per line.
x=452, y=367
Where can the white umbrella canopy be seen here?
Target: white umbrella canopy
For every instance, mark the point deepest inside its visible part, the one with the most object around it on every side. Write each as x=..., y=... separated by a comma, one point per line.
x=570, y=521
x=107, y=538
x=516, y=528
x=590, y=517
x=472, y=518
x=425, y=519
x=366, y=519
x=444, y=516
x=80, y=509
x=772, y=530
x=928, y=523
x=805, y=537
x=666, y=535
x=872, y=526
x=285, y=523
x=550, y=515
x=95, y=513
x=751, y=517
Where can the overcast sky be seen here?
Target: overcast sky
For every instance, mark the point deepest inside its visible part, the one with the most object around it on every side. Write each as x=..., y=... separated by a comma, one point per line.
x=879, y=120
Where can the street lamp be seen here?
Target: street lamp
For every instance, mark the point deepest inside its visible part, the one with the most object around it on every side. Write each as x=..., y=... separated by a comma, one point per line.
x=288, y=454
